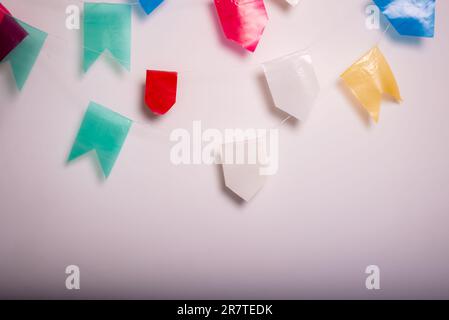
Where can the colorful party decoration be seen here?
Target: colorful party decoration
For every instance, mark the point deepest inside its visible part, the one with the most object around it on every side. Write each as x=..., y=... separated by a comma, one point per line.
x=24, y=56
x=11, y=32
x=293, y=83
x=410, y=17
x=291, y=79
x=107, y=26
x=105, y=132
x=243, y=21
x=369, y=78
x=160, y=90
x=149, y=5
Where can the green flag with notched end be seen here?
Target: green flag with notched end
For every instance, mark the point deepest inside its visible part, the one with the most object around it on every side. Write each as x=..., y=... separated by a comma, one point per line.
x=107, y=26
x=24, y=56
x=105, y=132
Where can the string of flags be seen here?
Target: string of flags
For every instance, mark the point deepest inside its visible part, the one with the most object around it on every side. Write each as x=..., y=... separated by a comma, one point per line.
x=291, y=79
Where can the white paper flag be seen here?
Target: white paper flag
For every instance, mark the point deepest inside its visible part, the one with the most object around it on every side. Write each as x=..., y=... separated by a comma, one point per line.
x=293, y=83
x=245, y=178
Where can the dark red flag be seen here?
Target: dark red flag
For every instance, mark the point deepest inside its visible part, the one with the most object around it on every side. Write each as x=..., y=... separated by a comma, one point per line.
x=11, y=33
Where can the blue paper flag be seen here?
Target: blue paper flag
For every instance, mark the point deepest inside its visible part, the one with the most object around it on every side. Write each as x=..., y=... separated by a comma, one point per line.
x=410, y=17
x=24, y=56
x=150, y=5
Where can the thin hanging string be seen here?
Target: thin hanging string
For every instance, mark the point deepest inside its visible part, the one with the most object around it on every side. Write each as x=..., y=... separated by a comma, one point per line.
x=162, y=132
x=313, y=43
x=319, y=39
x=382, y=36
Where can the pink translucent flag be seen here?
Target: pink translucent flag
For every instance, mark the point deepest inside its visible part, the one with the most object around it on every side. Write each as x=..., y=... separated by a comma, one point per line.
x=243, y=21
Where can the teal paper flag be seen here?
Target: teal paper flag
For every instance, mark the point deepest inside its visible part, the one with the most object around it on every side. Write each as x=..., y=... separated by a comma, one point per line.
x=105, y=132
x=24, y=56
x=107, y=26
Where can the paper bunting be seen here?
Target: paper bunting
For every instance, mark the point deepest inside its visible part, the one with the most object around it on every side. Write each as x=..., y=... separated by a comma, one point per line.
x=410, y=17
x=293, y=2
x=105, y=132
x=149, y=5
x=107, y=26
x=24, y=56
x=11, y=32
x=245, y=180
x=369, y=78
x=243, y=21
x=160, y=90
x=293, y=83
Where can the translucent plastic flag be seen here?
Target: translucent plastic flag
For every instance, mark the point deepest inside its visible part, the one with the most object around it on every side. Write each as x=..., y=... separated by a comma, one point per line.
x=24, y=56
x=244, y=179
x=293, y=83
x=107, y=26
x=410, y=17
x=243, y=21
x=149, y=5
x=11, y=32
x=369, y=78
x=160, y=90
x=105, y=132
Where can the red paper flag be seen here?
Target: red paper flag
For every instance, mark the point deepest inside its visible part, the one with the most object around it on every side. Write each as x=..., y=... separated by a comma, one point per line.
x=11, y=33
x=160, y=91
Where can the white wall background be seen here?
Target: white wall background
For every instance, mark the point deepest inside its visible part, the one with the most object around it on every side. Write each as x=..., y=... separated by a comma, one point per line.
x=348, y=193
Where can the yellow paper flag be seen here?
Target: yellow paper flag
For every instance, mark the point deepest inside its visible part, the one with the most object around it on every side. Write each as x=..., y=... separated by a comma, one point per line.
x=369, y=78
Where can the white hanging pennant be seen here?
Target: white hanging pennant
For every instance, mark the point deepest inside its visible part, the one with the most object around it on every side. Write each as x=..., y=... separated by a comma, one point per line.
x=246, y=177
x=293, y=83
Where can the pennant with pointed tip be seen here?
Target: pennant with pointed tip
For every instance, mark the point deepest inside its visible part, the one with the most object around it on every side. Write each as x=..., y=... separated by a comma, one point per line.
x=149, y=5
x=243, y=21
x=11, y=33
x=24, y=56
x=105, y=132
x=247, y=176
x=160, y=90
x=107, y=26
x=369, y=78
x=293, y=83
x=410, y=17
